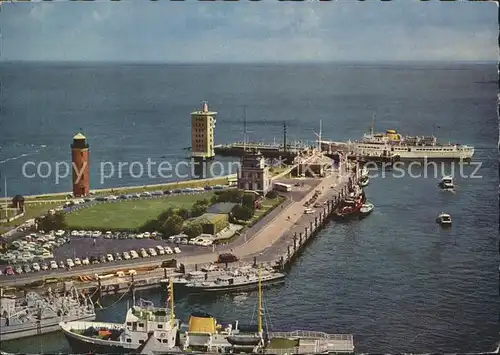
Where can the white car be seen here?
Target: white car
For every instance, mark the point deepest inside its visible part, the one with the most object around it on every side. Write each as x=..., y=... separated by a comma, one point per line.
x=177, y=250
x=109, y=257
x=108, y=235
x=70, y=262
x=152, y=252
x=53, y=265
x=147, y=235
x=126, y=255
x=35, y=267
x=77, y=262
x=168, y=250
x=308, y=211
x=161, y=250
x=74, y=233
x=45, y=266
x=133, y=254
x=139, y=236
x=144, y=253
x=85, y=261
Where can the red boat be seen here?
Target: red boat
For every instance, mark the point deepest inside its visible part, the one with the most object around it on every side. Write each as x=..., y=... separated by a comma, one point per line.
x=349, y=208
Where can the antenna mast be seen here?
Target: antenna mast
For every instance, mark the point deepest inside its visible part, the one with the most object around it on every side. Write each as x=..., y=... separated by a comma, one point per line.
x=318, y=135
x=171, y=299
x=259, y=317
x=284, y=136
x=244, y=128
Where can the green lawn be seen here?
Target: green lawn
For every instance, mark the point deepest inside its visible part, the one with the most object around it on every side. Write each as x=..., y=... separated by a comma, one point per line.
x=130, y=214
x=266, y=205
x=32, y=210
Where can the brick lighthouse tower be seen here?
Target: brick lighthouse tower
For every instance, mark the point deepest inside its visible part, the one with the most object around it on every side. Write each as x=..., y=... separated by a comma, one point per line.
x=80, y=165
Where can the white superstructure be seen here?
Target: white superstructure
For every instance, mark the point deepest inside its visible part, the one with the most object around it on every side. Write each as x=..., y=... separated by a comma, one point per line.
x=392, y=144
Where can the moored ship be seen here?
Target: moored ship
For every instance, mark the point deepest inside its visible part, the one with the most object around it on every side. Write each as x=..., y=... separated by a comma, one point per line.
x=237, y=282
x=35, y=314
x=392, y=144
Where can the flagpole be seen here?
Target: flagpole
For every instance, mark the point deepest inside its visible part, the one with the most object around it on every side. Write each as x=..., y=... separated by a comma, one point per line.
x=6, y=205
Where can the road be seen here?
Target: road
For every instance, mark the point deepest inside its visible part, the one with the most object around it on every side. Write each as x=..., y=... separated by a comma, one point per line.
x=267, y=235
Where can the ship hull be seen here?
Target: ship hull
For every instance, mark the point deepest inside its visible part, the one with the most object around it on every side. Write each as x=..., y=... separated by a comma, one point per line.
x=81, y=344
x=251, y=286
x=30, y=329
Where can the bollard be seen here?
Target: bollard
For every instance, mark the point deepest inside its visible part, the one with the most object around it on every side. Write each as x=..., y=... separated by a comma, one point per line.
x=295, y=243
x=254, y=261
x=311, y=225
x=165, y=272
x=300, y=240
x=288, y=250
x=316, y=221
x=304, y=233
x=195, y=267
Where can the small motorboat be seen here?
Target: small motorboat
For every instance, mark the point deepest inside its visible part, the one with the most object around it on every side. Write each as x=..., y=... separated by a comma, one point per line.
x=444, y=219
x=364, y=181
x=446, y=183
x=366, y=209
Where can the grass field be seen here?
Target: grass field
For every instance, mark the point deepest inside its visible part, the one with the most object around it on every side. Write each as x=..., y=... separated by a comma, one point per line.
x=32, y=211
x=128, y=214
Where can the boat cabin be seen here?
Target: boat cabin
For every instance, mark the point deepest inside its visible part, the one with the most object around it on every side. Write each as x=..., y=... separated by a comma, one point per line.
x=203, y=333
x=447, y=182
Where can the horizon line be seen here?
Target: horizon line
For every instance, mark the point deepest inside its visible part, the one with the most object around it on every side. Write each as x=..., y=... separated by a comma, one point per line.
x=192, y=63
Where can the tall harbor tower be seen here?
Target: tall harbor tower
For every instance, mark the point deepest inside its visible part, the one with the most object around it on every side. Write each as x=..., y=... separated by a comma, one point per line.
x=80, y=165
x=202, y=133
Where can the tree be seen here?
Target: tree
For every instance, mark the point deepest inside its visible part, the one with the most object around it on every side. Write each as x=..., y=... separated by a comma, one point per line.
x=193, y=229
x=198, y=210
x=183, y=212
x=248, y=200
x=52, y=222
x=272, y=194
x=243, y=213
x=173, y=225
x=214, y=199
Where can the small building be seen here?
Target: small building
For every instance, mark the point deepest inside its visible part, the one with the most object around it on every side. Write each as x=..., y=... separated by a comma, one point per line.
x=254, y=173
x=213, y=223
x=18, y=202
x=316, y=167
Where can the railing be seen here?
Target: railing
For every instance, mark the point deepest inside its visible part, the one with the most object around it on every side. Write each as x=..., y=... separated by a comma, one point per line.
x=311, y=334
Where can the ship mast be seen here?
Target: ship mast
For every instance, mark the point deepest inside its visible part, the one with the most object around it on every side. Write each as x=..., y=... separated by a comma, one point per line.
x=318, y=135
x=244, y=128
x=259, y=316
x=372, y=127
x=171, y=299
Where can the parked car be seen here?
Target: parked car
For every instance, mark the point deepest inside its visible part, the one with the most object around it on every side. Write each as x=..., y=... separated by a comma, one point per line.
x=77, y=262
x=227, y=258
x=53, y=265
x=109, y=257
x=70, y=263
x=177, y=250
x=85, y=261
x=44, y=266
x=126, y=255
x=36, y=267
x=152, y=252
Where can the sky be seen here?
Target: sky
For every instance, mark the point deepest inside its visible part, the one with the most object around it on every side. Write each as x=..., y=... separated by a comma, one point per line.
x=249, y=31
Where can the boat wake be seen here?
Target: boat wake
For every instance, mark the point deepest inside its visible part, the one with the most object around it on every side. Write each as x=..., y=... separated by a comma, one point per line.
x=22, y=155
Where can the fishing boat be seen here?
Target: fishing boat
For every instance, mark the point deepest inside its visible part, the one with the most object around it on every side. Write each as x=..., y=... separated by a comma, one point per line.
x=37, y=314
x=366, y=209
x=444, y=219
x=446, y=183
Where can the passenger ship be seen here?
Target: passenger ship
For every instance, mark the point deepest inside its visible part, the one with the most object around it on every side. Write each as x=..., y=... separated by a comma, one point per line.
x=393, y=144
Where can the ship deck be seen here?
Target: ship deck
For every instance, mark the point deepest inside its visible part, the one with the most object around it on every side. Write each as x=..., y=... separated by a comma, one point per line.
x=314, y=342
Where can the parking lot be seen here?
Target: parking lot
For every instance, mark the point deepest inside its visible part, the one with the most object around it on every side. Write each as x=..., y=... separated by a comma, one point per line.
x=57, y=251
